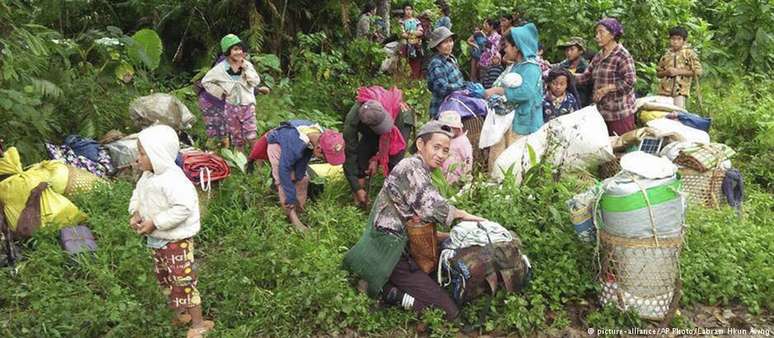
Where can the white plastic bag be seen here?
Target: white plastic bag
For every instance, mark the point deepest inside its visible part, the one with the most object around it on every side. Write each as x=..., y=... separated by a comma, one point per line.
x=647, y=165
x=494, y=128
x=123, y=153
x=160, y=108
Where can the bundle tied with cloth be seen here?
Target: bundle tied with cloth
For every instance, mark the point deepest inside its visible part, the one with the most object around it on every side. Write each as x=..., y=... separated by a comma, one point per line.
x=33, y=198
x=478, y=258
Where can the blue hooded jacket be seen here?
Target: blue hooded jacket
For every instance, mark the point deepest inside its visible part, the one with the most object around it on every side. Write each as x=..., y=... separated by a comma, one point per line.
x=528, y=96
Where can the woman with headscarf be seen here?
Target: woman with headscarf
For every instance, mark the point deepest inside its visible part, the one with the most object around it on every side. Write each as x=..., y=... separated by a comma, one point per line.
x=612, y=72
x=520, y=86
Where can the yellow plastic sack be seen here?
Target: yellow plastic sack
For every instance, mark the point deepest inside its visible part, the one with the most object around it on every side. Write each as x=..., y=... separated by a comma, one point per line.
x=56, y=210
x=55, y=173
x=650, y=115
x=325, y=170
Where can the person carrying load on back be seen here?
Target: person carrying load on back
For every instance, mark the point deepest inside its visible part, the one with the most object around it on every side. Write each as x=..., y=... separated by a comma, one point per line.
x=289, y=148
x=375, y=133
x=443, y=74
x=229, y=106
x=407, y=198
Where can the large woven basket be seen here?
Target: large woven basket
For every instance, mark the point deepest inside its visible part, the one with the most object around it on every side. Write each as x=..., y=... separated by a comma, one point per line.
x=704, y=188
x=640, y=274
x=609, y=168
x=473, y=127
x=80, y=180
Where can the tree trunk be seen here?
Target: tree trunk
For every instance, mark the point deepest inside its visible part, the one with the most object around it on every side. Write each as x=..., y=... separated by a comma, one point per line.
x=383, y=10
x=345, y=17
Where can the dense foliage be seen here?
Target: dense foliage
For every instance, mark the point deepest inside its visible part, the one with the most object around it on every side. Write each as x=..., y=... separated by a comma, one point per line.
x=74, y=66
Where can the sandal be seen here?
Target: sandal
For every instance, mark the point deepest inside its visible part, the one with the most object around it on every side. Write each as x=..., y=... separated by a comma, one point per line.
x=200, y=331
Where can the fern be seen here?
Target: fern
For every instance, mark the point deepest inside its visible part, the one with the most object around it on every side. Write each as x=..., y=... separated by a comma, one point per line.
x=46, y=88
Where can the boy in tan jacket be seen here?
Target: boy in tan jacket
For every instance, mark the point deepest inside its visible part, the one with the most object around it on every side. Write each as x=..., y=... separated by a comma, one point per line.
x=678, y=67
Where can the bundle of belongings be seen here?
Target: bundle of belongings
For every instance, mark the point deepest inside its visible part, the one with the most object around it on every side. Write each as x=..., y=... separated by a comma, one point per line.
x=146, y=111
x=203, y=167
x=163, y=109
x=390, y=63
x=650, y=108
x=682, y=138
x=34, y=198
x=320, y=173
x=705, y=166
x=480, y=257
x=638, y=218
x=709, y=176
x=574, y=141
x=83, y=153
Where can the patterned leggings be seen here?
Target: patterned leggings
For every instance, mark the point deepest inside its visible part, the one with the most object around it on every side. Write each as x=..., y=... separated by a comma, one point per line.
x=223, y=120
x=174, y=272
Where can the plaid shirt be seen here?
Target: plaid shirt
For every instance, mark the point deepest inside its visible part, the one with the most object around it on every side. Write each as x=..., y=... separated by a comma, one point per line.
x=443, y=77
x=616, y=69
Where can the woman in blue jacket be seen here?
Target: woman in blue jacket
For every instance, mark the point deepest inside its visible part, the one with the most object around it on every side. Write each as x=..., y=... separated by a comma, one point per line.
x=521, y=85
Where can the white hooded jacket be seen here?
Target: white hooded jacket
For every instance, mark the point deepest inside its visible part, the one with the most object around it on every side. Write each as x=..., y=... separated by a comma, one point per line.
x=165, y=195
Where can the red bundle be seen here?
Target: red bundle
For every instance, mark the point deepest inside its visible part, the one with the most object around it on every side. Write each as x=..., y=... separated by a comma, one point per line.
x=204, y=167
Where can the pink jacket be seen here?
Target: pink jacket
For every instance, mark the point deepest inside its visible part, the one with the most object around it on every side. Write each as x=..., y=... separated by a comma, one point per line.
x=460, y=158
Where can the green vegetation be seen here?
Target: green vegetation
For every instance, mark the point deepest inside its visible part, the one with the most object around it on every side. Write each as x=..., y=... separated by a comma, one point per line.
x=74, y=66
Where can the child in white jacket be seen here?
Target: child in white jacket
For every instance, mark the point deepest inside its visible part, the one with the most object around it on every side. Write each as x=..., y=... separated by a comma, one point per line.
x=165, y=207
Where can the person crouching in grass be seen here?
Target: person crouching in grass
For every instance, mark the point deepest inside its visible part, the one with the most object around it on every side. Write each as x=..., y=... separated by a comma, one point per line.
x=165, y=209
x=408, y=197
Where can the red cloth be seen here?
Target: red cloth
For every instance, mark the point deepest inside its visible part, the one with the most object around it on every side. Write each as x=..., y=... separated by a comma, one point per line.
x=392, y=142
x=259, y=151
x=195, y=160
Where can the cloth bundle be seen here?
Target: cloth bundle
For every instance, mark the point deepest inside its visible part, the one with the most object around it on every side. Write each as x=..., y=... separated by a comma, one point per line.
x=83, y=153
x=204, y=167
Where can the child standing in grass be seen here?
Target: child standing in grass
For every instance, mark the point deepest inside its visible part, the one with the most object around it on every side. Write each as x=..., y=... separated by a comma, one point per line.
x=678, y=67
x=165, y=208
